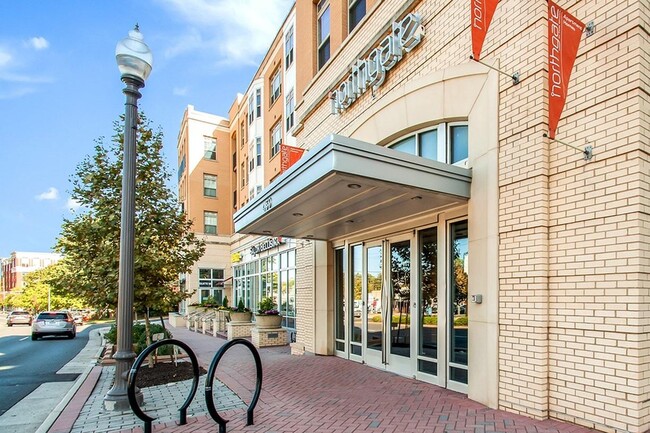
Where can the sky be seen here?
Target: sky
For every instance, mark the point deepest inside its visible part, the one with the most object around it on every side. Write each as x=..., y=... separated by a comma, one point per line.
x=60, y=89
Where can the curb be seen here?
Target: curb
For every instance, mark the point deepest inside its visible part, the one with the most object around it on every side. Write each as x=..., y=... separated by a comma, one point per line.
x=81, y=380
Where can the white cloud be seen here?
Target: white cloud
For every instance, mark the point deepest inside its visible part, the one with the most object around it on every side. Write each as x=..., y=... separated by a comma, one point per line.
x=50, y=194
x=180, y=91
x=72, y=204
x=39, y=43
x=5, y=58
x=235, y=32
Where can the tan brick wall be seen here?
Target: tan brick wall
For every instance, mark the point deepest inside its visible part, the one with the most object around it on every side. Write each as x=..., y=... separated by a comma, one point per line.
x=574, y=251
x=305, y=295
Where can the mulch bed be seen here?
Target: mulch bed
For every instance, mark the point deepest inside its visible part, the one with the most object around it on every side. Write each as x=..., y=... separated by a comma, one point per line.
x=165, y=372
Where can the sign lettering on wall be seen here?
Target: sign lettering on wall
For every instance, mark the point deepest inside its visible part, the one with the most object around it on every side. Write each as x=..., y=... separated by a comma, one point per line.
x=371, y=71
x=564, y=33
x=267, y=244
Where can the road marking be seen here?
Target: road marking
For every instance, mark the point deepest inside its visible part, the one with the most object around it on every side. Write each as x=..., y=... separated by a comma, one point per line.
x=23, y=339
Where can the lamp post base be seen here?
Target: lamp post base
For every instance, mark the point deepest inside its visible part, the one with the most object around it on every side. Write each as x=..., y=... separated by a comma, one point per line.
x=120, y=402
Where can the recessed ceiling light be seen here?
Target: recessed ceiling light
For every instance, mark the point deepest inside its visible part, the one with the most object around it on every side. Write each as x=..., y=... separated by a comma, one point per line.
x=349, y=221
x=417, y=197
x=267, y=232
x=309, y=236
x=297, y=214
x=354, y=186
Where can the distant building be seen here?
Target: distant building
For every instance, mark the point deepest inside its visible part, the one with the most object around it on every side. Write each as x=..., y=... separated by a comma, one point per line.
x=204, y=196
x=19, y=264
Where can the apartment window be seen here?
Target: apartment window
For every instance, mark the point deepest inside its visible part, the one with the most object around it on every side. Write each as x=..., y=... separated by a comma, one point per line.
x=290, y=107
x=258, y=150
x=288, y=48
x=357, y=10
x=234, y=161
x=276, y=139
x=446, y=143
x=251, y=165
x=234, y=199
x=210, y=148
x=211, y=284
x=210, y=223
x=243, y=177
x=258, y=102
x=251, y=110
x=209, y=185
x=323, y=32
x=275, y=87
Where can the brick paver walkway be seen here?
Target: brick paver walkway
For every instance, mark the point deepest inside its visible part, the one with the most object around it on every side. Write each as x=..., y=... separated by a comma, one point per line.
x=328, y=394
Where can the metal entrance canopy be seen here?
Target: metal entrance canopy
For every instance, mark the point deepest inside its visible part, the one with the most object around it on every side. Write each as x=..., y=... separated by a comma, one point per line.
x=345, y=186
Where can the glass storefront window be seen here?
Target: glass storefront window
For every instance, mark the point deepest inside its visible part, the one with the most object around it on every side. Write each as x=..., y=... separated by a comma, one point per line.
x=458, y=306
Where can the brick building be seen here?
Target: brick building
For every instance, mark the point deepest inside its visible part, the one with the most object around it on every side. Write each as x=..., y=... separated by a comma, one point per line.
x=418, y=159
x=20, y=263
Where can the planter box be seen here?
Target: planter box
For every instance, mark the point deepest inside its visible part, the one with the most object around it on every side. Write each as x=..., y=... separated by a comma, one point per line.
x=267, y=322
x=240, y=317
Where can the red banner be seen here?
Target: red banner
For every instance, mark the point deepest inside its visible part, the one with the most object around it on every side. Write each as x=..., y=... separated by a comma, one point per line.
x=482, y=13
x=289, y=155
x=564, y=33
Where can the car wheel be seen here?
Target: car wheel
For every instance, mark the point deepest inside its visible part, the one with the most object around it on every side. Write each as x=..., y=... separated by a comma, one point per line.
x=10, y=324
x=34, y=337
x=72, y=335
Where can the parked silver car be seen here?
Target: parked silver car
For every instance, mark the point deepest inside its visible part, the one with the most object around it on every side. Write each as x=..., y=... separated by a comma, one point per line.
x=19, y=318
x=54, y=323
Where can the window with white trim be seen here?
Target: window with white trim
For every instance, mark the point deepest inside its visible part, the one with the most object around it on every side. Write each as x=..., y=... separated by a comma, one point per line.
x=276, y=139
x=209, y=185
x=290, y=107
x=323, y=32
x=356, y=12
x=258, y=150
x=210, y=148
x=276, y=86
x=288, y=48
x=209, y=222
x=446, y=142
x=258, y=102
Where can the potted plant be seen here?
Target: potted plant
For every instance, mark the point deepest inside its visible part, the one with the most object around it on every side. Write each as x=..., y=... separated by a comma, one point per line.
x=240, y=313
x=267, y=316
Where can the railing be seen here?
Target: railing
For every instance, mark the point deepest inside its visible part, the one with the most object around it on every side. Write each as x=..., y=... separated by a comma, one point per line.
x=133, y=374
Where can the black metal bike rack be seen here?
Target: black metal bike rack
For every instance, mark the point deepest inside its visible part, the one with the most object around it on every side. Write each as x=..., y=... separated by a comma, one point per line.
x=133, y=373
x=213, y=369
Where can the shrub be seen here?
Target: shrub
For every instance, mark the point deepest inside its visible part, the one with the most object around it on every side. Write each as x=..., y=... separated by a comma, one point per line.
x=267, y=306
x=140, y=337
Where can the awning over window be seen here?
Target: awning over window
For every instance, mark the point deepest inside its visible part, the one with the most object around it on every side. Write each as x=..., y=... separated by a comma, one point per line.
x=344, y=186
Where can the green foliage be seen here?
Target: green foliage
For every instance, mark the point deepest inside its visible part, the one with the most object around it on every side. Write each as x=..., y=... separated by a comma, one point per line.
x=139, y=335
x=210, y=302
x=240, y=308
x=38, y=285
x=265, y=305
x=164, y=243
x=225, y=302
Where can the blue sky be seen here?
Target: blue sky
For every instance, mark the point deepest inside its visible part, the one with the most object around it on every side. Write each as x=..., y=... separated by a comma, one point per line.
x=60, y=88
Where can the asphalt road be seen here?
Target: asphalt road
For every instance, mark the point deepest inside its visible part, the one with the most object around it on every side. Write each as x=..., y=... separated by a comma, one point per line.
x=26, y=364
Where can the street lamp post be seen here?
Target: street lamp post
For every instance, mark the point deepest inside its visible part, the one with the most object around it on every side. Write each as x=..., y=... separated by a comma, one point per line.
x=134, y=61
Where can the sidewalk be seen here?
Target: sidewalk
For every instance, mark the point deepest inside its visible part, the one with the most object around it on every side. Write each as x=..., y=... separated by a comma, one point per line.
x=303, y=394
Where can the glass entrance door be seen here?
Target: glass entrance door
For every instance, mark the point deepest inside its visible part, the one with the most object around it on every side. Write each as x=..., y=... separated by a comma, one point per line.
x=374, y=305
x=398, y=327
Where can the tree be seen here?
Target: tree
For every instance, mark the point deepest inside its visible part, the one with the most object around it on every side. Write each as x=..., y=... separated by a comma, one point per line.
x=164, y=243
x=38, y=287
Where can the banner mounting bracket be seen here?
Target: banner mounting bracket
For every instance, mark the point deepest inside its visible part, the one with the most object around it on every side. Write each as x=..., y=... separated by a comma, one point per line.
x=590, y=29
x=514, y=77
x=587, y=152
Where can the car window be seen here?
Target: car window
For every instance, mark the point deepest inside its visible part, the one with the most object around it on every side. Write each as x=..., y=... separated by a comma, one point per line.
x=19, y=313
x=61, y=316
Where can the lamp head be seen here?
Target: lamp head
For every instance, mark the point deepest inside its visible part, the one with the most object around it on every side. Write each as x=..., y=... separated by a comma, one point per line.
x=133, y=56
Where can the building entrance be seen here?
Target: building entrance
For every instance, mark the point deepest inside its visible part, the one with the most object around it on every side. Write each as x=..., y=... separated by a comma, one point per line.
x=405, y=315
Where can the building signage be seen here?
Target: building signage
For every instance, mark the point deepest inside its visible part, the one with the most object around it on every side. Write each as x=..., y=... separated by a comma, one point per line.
x=289, y=155
x=371, y=71
x=564, y=33
x=267, y=244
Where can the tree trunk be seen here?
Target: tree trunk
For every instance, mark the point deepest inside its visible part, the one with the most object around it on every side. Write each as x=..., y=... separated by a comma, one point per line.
x=147, y=331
